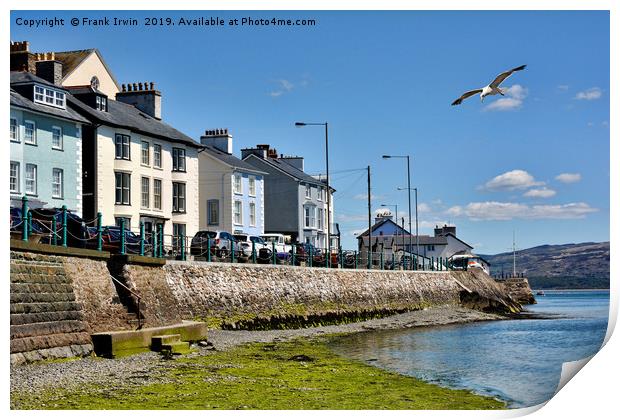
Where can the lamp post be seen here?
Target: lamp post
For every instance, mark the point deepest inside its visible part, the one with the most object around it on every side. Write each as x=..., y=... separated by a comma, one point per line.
x=408, y=188
x=417, y=238
x=303, y=124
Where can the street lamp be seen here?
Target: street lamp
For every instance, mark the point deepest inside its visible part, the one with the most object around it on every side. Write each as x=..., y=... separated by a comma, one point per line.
x=408, y=188
x=417, y=237
x=329, y=248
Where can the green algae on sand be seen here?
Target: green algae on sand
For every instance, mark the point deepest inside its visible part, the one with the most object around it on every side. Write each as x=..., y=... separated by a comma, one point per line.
x=300, y=374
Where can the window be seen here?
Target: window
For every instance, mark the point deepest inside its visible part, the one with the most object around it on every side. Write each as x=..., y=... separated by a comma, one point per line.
x=309, y=216
x=430, y=247
x=30, y=132
x=14, y=177
x=38, y=93
x=237, y=188
x=178, y=159
x=320, y=216
x=320, y=193
x=145, y=188
x=123, y=188
x=146, y=159
x=157, y=155
x=13, y=130
x=252, y=186
x=252, y=214
x=31, y=179
x=308, y=191
x=178, y=197
x=56, y=138
x=44, y=95
x=127, y=220
x=213, y=212
x=102, y=103
x=237, y=213
x=157, y=194
x=57, y=183
x=122, y=146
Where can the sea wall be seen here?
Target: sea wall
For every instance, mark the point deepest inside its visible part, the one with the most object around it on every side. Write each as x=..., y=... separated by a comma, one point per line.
x=58, y=301
x=264, y=296
x=520, y=290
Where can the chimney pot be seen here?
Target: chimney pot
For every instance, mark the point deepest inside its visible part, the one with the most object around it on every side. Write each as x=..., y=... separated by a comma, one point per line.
x=152, y=86
x=140, y=85
x=135, y=87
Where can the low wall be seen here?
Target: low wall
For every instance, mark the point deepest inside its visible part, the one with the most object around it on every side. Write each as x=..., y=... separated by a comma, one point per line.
x=264, y=296
x=58, y=301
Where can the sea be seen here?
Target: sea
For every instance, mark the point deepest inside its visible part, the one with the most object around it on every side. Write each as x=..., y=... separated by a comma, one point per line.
x=518, y=360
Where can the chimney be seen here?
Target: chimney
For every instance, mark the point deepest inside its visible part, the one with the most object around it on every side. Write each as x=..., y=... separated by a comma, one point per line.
x=49, y=69
x=143, y=96
x=21, y=57
x=218, y=138
x=294, y=161
x=382, y=215
x=444, y=230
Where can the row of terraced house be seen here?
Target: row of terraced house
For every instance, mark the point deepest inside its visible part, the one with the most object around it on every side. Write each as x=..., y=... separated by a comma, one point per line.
x=81, y=140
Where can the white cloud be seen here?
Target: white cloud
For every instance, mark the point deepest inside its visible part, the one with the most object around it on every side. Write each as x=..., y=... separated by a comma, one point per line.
x=543, y=192
x=424, y=208
x=430, y=224
x=365, y=197
x=345, y=218
x=517, y=179
x=589, y=94
x=284, y=86
x=493, y=210
x=569, y=178
x=513, y=100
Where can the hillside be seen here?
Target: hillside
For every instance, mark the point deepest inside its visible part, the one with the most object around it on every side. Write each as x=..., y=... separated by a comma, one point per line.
x=584, y=265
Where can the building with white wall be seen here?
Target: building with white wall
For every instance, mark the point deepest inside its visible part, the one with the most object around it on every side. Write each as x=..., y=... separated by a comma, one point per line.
x=231, y=190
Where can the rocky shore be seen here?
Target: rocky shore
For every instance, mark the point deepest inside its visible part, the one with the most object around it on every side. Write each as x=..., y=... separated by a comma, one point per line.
x=142, y=369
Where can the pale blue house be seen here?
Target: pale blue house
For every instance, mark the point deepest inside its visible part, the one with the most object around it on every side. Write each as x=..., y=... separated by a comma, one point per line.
x=231, y=190
x=46, y=143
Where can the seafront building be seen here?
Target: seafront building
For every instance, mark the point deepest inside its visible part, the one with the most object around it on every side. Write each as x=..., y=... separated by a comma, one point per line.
x=133, y=166
x=389, y=237
x=295, y=202
x=46, y=143
x=231, y=190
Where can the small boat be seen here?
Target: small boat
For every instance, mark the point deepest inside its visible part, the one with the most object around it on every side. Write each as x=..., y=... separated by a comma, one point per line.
x=540, y=293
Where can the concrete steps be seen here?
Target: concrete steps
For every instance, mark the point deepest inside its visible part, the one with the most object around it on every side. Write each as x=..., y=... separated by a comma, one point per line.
x=173, y=338
x=170, y=344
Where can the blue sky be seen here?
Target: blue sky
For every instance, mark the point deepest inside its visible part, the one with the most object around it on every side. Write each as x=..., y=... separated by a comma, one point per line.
x=535, y=161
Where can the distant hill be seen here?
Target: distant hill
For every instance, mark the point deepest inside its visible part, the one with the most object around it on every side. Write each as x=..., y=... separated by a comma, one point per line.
x=569, y=266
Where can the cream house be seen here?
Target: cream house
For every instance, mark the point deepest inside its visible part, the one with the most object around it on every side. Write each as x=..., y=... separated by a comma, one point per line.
x=136, y=167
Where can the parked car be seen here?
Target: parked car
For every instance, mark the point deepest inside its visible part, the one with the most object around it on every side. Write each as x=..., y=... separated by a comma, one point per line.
x=111, y=240
x=279, y=241
x=243, y=242
x=220, y=243
x=42, y=226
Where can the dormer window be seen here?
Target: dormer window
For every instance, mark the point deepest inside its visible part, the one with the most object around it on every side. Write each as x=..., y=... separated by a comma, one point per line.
x=101, y=103
x=46, y=96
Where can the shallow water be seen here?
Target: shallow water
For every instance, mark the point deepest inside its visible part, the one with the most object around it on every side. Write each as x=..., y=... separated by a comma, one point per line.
x=518, y=361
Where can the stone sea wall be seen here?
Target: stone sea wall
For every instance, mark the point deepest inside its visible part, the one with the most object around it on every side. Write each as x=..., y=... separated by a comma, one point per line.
x=57, y=301
x=263, y=296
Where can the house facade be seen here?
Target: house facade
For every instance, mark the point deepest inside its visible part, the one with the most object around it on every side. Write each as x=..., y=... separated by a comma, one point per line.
x=295, y=202
x=136, y=167
x=388, y=236
x=231, y=190
x=45, y=144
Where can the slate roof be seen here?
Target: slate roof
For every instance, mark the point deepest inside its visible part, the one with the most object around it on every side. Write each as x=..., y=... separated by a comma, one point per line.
x=229, y=159
x=379, y=224
x=289, y=170
x=122, y=115
x=422, y=239
x=19, y=101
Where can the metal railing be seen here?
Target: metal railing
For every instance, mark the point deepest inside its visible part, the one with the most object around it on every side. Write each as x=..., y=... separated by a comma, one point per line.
x=137, y=296
x=53, y=227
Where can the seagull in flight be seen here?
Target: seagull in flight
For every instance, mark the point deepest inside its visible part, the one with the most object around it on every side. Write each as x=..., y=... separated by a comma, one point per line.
x=491, y=89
